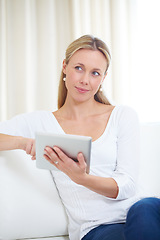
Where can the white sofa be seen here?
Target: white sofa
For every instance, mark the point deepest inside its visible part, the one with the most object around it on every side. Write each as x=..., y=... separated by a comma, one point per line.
x=30, y=207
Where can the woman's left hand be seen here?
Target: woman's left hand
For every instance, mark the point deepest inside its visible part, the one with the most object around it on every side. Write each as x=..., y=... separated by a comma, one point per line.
x=75, y=170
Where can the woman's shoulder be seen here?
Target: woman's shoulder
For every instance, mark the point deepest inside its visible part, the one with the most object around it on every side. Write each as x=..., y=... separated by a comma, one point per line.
x=121, y=109
x=125, y=114
x=125, y=109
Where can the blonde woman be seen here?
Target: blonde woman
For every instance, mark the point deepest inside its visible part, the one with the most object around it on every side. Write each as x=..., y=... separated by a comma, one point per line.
x=96, y=203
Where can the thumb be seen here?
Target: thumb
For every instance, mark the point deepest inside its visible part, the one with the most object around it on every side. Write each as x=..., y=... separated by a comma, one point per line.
x=81, y=159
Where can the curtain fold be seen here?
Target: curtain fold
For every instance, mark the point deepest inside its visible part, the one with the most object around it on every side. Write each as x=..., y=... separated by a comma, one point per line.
x=3, y=61
x=34, y=35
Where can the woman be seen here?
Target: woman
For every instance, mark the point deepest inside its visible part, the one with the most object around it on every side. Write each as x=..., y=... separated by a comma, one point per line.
x=96, y=203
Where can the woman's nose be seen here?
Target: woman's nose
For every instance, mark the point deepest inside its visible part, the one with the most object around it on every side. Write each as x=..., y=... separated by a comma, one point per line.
x=84, y=79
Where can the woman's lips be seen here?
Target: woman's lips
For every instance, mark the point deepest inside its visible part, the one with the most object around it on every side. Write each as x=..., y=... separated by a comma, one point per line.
x=82, y=90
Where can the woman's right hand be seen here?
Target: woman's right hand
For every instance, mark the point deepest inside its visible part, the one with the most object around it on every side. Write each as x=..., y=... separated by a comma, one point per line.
x=28, y=145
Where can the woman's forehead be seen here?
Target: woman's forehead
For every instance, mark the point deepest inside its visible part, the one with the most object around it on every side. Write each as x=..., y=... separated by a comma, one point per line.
x=88, y=56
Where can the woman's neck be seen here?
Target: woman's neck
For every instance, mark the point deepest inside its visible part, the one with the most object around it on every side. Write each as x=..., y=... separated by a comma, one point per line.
x=79, y=111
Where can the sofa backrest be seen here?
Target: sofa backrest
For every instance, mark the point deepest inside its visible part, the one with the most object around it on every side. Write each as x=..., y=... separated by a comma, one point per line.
x=149, y=176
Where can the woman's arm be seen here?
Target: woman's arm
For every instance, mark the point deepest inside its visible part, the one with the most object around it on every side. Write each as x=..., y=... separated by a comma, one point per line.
x=8, y=142
x=17, y=133
x=102, y=185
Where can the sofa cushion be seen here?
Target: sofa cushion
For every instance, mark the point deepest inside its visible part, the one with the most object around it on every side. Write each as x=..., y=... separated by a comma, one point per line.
x=51, y=238
x=30, y=206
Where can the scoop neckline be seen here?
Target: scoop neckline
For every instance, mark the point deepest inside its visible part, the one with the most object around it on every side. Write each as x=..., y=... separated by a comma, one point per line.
x=102, y=135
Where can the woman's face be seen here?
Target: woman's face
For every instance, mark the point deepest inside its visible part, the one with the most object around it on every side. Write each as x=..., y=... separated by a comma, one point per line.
x=84, y=74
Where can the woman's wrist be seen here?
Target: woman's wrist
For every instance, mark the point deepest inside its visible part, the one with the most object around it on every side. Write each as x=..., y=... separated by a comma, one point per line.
x=20, y=143
x=9, y=142
x=83, y=179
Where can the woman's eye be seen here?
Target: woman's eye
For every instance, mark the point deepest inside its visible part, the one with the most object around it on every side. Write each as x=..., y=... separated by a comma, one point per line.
x=78, y=68
x=96, y=73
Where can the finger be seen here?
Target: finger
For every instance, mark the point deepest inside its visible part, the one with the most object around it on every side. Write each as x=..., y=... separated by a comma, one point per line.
x=81, y=160
x=51, y=155
x=33, y=150
x=63, y=157
x=46, y=157
x=28, y=148
x=55, y=163
x=33, y=157
x=50, y=152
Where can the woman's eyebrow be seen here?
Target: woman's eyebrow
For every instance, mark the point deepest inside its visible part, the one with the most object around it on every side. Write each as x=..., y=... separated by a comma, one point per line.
x=97, y=69
x=81, y=64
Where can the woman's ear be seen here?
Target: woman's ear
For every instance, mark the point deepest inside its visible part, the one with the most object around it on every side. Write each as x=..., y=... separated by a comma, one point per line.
x=64, y=66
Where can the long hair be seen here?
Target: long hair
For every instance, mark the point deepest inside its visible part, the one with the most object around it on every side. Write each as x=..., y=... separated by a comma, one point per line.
x=84, y=42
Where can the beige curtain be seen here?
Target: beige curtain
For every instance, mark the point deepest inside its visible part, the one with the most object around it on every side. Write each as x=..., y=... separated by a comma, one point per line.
x=34, y=35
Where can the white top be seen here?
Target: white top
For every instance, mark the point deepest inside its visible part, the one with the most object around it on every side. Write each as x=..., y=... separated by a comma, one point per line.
x=116, y=154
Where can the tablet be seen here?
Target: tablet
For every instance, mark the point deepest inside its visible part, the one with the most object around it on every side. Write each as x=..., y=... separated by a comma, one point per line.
x=69, y=144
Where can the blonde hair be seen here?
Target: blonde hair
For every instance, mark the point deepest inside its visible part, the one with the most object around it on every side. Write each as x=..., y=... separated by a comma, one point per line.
x=84, y=42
